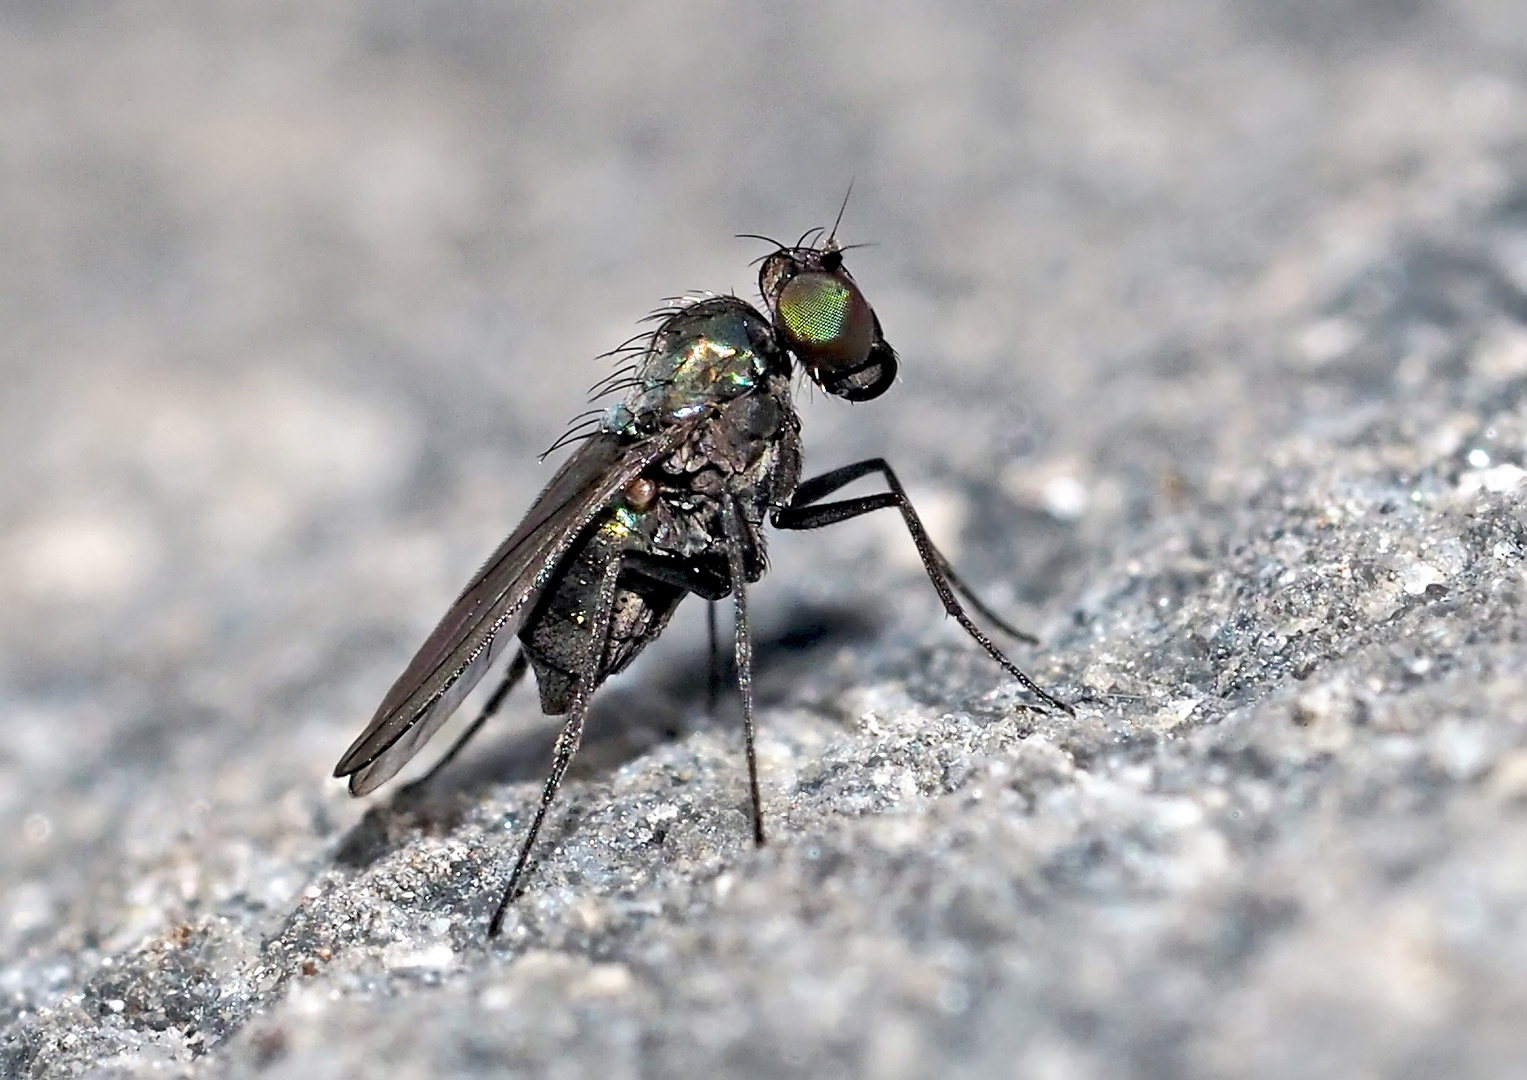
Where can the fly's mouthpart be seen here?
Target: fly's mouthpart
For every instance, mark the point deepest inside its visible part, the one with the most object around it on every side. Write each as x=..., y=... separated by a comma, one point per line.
x=867, y=382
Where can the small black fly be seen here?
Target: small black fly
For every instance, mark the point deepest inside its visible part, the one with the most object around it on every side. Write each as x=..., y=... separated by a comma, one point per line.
x=666, y=495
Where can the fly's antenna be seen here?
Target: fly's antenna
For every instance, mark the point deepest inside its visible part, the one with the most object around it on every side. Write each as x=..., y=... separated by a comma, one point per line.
x=833, y=236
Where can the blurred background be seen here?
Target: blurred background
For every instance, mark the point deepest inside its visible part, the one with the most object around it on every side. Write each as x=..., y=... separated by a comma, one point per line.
x=292, y=295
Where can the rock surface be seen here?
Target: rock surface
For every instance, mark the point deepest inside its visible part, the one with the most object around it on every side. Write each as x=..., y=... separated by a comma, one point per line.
x=1214, y=332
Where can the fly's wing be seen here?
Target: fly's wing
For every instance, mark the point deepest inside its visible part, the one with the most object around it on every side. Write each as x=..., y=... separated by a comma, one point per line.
x=491, y=609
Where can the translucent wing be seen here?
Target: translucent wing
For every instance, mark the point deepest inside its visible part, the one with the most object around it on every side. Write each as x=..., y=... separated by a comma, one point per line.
x=491, y=609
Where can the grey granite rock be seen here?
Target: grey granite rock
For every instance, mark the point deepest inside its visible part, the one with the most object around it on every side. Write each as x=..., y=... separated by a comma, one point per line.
x=1214, y=329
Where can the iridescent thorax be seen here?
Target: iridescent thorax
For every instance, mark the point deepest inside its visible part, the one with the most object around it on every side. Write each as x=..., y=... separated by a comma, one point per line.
x=719, y=349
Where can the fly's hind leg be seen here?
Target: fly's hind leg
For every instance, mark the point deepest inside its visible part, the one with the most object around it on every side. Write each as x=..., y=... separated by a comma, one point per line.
x=807, y=512
x=572, y=731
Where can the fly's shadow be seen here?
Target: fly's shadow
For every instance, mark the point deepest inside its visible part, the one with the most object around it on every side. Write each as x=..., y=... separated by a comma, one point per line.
x=623, y=724
x=780, y=652
x=438, y=803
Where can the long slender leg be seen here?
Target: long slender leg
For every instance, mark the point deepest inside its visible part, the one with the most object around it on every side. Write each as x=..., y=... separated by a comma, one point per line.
x=980, y=605
x=801, y=515
x=516, y=672
x=713, y=681
x=572, y=731
x=819, y=487
x=736, y=538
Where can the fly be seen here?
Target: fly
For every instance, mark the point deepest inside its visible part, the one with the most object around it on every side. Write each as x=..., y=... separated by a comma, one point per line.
x=666, y=495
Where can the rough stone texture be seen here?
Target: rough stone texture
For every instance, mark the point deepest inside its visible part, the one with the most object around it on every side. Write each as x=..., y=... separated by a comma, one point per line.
x=1214, y=327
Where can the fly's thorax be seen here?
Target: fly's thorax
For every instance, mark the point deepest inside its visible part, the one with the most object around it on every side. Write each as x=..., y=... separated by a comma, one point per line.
x=660, y=514
x=683, y=519
x=747, y=453
x=703, y=355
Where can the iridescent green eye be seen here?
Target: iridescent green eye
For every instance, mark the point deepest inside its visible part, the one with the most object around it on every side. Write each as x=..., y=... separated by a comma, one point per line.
x=815, y=308
x=825, y=323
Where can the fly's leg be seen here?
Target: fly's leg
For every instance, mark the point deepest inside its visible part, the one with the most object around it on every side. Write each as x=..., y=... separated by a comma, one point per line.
x=517, y=668
x=801, y=514
x=703, y=582
x=731, y=521
x=713, y=679
x=820, y=487
x=572, y=731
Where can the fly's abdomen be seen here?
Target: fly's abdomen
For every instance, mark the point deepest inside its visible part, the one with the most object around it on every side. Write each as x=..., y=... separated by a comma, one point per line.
x=558, y=634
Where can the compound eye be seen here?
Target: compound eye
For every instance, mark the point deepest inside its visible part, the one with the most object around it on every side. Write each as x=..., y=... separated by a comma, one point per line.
x=825, y=321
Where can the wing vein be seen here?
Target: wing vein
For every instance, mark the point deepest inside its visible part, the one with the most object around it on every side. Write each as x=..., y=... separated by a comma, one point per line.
x=492, y=607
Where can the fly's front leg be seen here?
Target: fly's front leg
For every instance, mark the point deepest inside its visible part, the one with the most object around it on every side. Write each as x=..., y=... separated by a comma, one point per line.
x=572, y=729
x=820, y=487
x=802, y=514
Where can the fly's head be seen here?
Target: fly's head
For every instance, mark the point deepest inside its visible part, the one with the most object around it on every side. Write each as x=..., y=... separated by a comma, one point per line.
x=823, y=319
